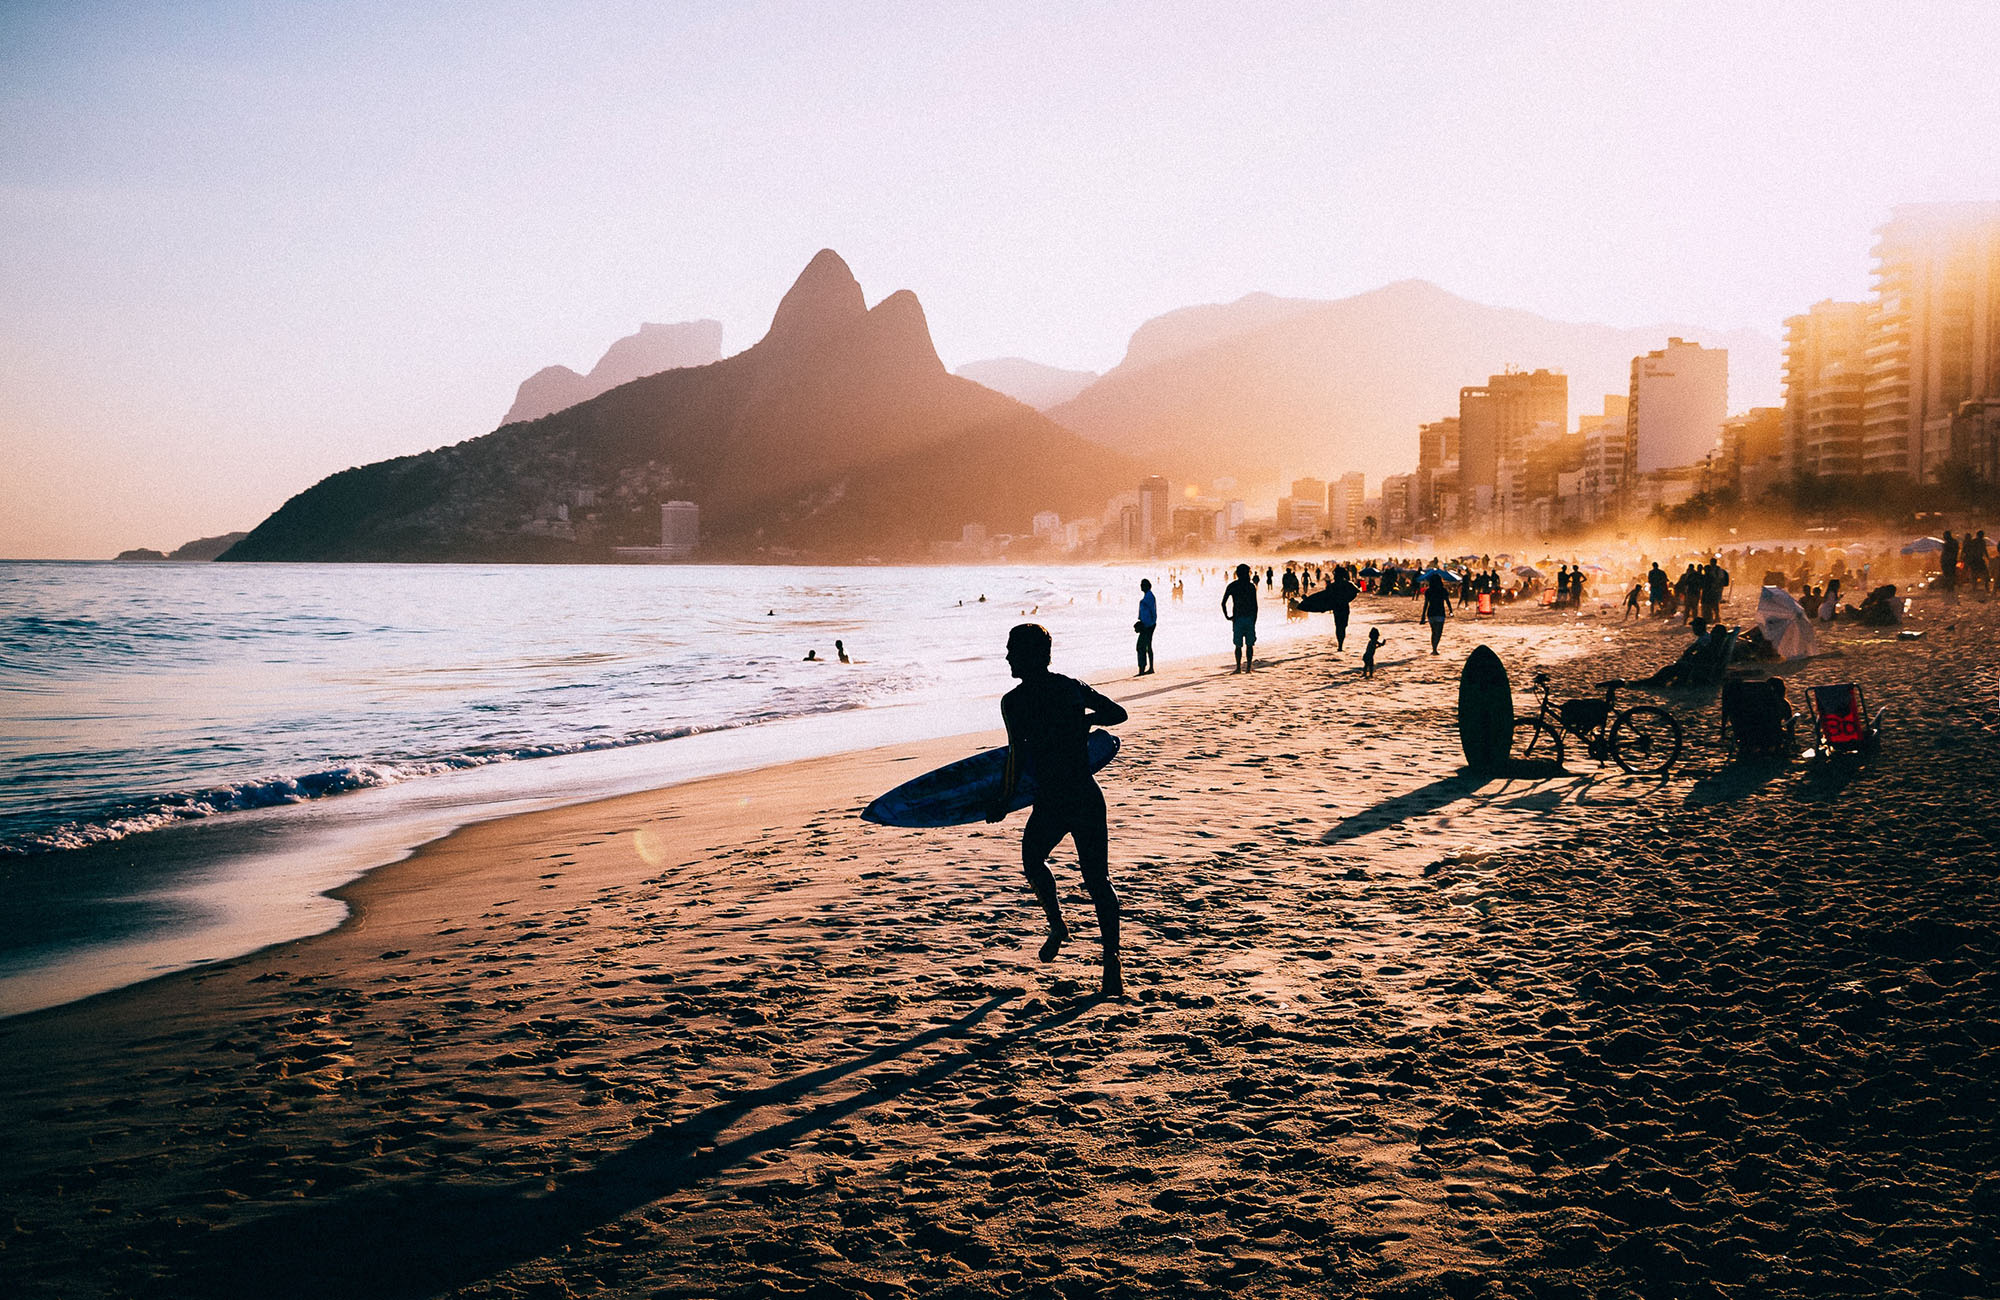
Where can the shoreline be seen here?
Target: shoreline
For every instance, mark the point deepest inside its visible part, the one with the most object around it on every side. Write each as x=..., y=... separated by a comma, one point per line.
x=245, y=882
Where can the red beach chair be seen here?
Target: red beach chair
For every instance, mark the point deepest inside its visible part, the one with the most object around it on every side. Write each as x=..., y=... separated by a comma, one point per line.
x=1841, y=719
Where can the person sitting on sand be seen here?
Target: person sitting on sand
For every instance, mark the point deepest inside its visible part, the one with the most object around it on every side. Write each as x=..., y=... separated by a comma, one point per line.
x=1368, y=652
x=1048, y=718
x=1242, y=595
x=840, y=650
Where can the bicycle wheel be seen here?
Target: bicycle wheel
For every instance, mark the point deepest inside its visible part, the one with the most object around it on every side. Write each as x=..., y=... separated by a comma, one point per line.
x=1646, y=740
x=1536, y=741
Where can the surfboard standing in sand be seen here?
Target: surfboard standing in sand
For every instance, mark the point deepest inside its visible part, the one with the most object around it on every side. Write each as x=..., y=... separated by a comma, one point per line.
x=1048, y=719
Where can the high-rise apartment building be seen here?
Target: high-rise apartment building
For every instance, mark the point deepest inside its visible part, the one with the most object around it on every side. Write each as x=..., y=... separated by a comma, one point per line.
x=1437, y=445
x=1933, y=332
x=1399, y=501
x=1155, y=498
x=1675, y=409
x=1603, y=465
x=1344, y=498
x=1753, y=450
x=680, y=527
x=1498, y=420
x=1826, y=370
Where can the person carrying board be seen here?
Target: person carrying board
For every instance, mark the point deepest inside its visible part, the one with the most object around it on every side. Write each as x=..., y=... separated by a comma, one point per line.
x=1048, y=718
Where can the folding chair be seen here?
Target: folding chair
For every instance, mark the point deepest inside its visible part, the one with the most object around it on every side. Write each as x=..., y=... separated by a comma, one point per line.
x=1842, y=722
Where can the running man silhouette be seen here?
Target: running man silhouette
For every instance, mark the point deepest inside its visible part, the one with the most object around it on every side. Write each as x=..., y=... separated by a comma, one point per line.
x=1048, y=719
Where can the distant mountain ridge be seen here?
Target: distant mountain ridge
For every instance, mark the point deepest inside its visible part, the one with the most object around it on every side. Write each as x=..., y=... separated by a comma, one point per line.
x=200, y=550
x=653, y=349
x=1264, y=383
x=1027, y=381
x=837, y=435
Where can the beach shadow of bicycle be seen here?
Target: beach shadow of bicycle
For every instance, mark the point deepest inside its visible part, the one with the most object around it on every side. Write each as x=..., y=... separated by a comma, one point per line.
x=1531, y=786
x=421, y=1239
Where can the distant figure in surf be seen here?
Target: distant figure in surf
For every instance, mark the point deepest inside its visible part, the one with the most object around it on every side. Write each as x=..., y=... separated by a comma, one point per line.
x=1239, y=606
x=1048, y=719
x=812, y=657
x=1368, y=652
x=1149, y=618
x=840, y=650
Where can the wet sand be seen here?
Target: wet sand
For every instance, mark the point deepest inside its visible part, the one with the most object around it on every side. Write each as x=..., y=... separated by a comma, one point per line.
x=1392, y=1029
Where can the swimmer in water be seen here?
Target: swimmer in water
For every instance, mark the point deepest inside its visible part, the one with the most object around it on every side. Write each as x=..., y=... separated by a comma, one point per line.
x=840, y=650
x=812, y=657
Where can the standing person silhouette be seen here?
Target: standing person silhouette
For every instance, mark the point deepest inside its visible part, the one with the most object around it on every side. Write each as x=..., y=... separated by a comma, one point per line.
x=1368, y=652
x=1149, y=618
x=1342, y=592
x=1437, y=608
x=1048, y=719
x=1974, y=551
x=1239, y=606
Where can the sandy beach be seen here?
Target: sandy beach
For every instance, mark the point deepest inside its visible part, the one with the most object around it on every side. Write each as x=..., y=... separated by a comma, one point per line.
x=1392, y=1029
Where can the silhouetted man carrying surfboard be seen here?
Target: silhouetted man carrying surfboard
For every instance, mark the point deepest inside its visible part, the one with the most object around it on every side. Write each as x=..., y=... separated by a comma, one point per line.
x=1048, y=719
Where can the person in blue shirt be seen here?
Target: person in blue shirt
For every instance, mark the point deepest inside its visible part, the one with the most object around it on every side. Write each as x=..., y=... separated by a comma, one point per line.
x=1149, y=617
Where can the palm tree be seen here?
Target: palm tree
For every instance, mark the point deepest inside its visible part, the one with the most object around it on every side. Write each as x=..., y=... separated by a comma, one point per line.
x=1368, y=526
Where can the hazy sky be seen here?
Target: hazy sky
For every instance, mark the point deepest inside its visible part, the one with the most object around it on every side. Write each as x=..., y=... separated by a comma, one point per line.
x=245, y=245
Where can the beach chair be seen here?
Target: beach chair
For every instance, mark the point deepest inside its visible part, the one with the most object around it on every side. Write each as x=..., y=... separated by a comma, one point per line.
x=1759, y=718
x=1842, y=722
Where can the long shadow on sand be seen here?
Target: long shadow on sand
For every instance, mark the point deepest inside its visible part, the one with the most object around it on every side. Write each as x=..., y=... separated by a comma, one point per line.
x=419, y=1239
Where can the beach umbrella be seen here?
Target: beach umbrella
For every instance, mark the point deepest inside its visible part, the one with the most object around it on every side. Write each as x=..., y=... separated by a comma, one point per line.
x=1370, y=571
x=1526, y=571
x=1595, y=568
x=1924, y=546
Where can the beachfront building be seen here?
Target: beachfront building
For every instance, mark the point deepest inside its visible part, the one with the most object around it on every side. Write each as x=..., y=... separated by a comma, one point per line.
x=1304, y=509
x=1674, y=411
x=1437, y=445
x=1826, y=371
x=1046, y=524
x=1499, y=423
x=1603, y=464
x=1399, y=505
x=1975, y=437
x=680, y=527
x=1752, y=458
x=1345, y=504
x=1933, y=332
x=1155, y=498
x=1498, y=420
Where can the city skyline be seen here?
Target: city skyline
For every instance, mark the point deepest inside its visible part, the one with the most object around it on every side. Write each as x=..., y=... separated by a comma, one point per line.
x=248, y=250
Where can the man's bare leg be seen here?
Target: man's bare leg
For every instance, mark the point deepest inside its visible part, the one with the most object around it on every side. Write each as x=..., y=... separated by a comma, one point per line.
x=1045, y=892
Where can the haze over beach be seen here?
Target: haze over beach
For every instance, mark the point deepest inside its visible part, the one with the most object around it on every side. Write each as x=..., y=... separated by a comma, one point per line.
x=285, y=246
x=881, y=650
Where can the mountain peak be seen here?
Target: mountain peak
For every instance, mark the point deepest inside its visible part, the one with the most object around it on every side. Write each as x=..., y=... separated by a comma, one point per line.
x=899, y=328
x=825, y=294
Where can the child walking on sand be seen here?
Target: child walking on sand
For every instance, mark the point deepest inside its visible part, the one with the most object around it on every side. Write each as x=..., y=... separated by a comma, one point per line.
x=1368, y=654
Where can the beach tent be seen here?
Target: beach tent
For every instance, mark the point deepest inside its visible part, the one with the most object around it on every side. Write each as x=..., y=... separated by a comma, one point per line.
x=1785, y=623
x=1924, y=546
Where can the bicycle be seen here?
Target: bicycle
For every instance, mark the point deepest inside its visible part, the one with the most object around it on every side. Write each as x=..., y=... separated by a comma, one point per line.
x=1644, y=739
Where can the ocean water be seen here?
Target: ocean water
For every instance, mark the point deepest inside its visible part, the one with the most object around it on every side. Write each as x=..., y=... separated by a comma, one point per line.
x=174, y=737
